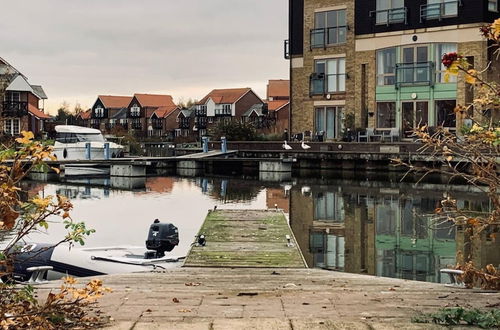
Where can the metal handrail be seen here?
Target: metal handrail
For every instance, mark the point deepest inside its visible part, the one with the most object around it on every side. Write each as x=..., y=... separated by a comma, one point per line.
x=415, y=66
x=439, y=8
x=394, y=15
x=326, y=34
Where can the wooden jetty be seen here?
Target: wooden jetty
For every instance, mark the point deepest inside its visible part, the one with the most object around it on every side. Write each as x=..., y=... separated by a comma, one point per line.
x=246, y=238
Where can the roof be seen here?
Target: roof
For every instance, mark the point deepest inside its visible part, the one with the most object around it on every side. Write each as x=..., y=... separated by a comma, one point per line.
x=257, y=108
x=20, y=84
x=163, y=112
x=278, y=88
x=7, y=68
x=37, y=113
x=112, y=101
x=85, y=114
x=38, y=91
x=186, y=113
x=154, y=100
x=277, y=105
x=76, y=129
x=225, y=96
x=120, y=114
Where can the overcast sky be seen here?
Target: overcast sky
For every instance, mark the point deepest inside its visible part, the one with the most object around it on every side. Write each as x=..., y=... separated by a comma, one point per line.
x=78, y=49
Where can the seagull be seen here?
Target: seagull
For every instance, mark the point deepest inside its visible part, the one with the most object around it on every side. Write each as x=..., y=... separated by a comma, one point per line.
x=286, y=146
x=305, y=146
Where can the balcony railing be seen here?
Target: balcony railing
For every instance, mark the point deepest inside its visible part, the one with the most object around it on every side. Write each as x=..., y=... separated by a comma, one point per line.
x=184, y=123
x=14, y=109
x=200, y=112
x=134, y=114
x=201, y=122
x=157, y=124
x=286, y=49
x=222, y=112
x=320, y=38
x=421, y=73
x=136, y=125
x=439, y=10
x=390, y=16
x=322, y=84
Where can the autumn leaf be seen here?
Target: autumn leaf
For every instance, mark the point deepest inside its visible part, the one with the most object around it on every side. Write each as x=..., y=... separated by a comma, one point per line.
x=470, y=77
x=496, y=28
x=25, y=138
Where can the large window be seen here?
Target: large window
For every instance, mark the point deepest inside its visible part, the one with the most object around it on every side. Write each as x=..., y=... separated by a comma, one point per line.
x=329, y=28
x=135, y=110
x=386, y=114
x=493, y=5
x=390, y=11
x=329, y=206
x=329, y=76
x=328, y=120
x=11, y=126
x=445, y=110
x=442, y=49
x=386, y=63
x=99, y=112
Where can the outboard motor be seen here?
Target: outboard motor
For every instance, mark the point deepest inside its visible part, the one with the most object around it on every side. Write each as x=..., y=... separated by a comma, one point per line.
x=162, y=237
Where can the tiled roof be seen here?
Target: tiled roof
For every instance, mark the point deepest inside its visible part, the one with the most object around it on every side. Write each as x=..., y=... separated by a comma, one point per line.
x=225, y=96
x=278, y=88
x=85, y=114
x=153, y=100
x=276, y=105
x=112, y=101
x=37, y=113
x=163, y=112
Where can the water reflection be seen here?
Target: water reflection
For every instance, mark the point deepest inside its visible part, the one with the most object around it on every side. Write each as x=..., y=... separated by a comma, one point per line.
x=383, y=228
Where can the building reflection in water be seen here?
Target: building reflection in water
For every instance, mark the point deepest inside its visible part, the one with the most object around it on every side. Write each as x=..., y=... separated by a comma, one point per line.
x=380, y=231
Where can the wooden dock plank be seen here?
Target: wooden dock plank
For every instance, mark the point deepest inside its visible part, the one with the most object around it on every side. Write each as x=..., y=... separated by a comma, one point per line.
x=246, y=238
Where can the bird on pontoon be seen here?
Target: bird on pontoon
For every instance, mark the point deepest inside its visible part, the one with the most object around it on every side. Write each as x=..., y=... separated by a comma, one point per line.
x=305, y=146
x=286, y=146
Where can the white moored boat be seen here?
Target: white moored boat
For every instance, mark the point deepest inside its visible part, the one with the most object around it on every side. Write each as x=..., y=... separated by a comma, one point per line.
x=72, y=144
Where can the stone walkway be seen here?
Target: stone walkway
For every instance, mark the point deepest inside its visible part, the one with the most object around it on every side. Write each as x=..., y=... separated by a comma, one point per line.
x=243, y=298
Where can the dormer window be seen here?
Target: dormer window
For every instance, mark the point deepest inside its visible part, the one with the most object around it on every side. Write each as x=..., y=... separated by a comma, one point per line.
x=99, y=112
x=493, y=5
x=135, y=110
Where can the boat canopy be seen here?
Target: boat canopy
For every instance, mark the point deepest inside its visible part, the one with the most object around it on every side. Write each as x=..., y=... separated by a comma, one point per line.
x=76, y=129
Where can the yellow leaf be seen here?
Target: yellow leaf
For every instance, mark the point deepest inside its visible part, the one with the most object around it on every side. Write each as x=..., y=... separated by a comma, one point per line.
x=449, y=158
x=470, y=77
x=496, y=27
x=55, y=169
x=26, y=137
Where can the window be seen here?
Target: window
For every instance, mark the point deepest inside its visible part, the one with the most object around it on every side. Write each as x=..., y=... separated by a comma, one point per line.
x=329, y=206
x=135, y=110
x=442, y=49
x=390, y=11
x=386, y=63
x=14, y=97
x=386, y=114
x=493, y=5
x=329, y=28
x=329, y=121
x=437, y=9
x=99, y=112
x=11, y=126
x=445, y=110
x=329, y=76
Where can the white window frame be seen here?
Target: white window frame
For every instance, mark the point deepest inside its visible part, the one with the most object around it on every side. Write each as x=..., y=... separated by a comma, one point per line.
x=381, y=74
x=10, y=128
x=135, y=110
x=99, y=112
x=340, y=70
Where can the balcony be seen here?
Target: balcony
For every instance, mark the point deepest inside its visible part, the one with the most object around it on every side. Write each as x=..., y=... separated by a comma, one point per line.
x=322, y=84
x=439, y=10
x=134, y=114
x=323, y=37
x=14, y=109
x=201, y=122
x=223, y=112
x=136, y=125
x=200, y=112
x=157, y=123
x=410, y=74
x=390, y=16
x=286, y=49
x=184, y=123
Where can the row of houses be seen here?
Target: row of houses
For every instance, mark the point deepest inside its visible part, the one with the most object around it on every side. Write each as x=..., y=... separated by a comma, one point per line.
x=152, y=115
x=377, y=64
x=21, y=103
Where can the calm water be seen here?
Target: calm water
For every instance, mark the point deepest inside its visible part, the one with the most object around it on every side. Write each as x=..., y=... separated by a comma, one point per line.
x=375, y=227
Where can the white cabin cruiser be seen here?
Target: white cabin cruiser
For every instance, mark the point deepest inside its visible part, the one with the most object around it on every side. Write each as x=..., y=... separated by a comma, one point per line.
x=72, y=143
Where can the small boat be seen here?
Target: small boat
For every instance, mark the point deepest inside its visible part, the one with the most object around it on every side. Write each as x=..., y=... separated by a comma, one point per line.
x=60, y=261
x=72, y=141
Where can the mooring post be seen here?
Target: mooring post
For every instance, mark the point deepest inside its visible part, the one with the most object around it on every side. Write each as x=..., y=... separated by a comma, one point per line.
x=87, y=151
x=223, y=144
x=204, y=142
x=106, y=150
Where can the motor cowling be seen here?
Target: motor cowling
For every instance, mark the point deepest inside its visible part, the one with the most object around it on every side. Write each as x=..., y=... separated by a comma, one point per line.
x=162, y=237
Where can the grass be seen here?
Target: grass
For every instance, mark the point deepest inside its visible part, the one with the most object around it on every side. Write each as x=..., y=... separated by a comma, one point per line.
x=487, y=319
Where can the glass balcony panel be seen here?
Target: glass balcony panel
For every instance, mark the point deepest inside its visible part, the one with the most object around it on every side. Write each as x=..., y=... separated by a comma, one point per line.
x=317, y=38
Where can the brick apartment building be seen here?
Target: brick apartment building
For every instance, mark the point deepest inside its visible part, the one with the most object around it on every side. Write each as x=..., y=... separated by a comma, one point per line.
x=380, y=61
